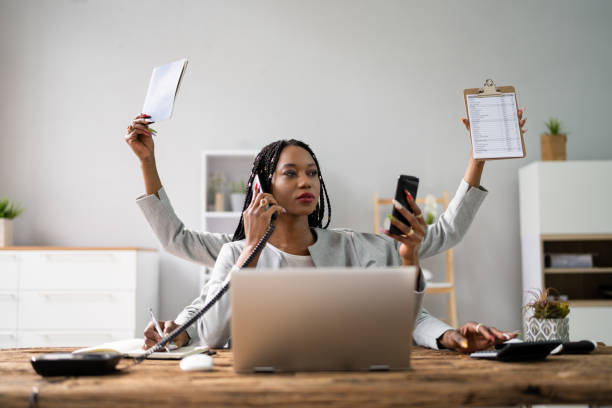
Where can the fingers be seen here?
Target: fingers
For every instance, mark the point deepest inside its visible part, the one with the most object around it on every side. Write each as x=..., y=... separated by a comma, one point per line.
x=415, y=223
x=139, y=127
x=273, y=209
x=261, y=201
x=522, y=120
x=458, y=342
x=485, y=332
x=151, y=337
x=466, y=123
x=400, y=238
x=141, y=116
x=501, y=336
x=416, y=211
x=134, y=131
x=180, y=340
x=477, y=329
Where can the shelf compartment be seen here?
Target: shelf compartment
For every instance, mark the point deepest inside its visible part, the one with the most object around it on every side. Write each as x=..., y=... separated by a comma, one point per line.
x=581, y=285
x=599, y=246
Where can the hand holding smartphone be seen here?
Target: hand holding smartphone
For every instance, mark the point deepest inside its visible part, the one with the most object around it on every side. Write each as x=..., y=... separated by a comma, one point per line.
x=411, y=184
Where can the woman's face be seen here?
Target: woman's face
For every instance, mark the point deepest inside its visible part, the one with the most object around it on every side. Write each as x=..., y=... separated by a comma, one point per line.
x=295, y=182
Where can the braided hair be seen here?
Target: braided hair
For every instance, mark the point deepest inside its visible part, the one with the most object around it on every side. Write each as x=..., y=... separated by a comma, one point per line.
x=265, y=165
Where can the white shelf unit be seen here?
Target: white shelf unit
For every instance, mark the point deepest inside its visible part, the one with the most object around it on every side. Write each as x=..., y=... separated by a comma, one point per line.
x=234, y=165
x=564, y=209
x=75, y=296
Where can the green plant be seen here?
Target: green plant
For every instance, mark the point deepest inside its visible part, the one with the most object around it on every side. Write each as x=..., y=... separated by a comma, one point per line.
x=554, y=126
x=9, y=210
x=238, y=187
x=216, y=181
x=546, y=306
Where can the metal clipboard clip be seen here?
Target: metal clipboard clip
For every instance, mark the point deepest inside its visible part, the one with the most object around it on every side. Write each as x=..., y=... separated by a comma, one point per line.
x=489, y=89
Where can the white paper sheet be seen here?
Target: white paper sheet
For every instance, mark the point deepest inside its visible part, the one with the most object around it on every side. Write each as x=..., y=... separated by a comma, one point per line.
x=163, y=87
x=494, y=126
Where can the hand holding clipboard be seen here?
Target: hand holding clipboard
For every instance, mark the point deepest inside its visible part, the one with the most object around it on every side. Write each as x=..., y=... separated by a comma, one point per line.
x=495, y=123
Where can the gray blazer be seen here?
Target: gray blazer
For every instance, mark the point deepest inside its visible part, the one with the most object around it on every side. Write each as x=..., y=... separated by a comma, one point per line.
x=333, y=247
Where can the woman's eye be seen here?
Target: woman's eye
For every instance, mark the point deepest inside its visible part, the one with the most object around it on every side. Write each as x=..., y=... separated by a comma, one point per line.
x=290, y=173
x=313, y=173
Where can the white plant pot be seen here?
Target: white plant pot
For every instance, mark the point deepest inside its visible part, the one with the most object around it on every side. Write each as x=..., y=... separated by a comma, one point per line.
x=237, y=201
x=6, y=232
x=546, y=329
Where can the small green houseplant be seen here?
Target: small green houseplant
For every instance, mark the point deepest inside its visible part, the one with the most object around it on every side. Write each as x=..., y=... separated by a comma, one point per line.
x=553, y=143
x=545, y=317
x=238, y=195
x=8, y=211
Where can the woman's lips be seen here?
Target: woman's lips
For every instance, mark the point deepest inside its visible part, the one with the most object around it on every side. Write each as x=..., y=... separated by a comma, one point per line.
x=306, y=198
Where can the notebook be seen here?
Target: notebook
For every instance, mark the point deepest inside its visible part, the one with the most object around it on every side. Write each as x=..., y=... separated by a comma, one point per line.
x=314, y=319
x=163, y=87
x=133, y=348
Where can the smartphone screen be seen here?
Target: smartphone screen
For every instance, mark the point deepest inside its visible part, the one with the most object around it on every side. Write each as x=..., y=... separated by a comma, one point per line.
x=411, y=184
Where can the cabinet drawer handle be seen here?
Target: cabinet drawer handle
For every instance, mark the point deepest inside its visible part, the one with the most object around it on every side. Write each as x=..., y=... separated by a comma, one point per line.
x=75, y=295
x=9, y=335
x=80, y=258
x=8, y=296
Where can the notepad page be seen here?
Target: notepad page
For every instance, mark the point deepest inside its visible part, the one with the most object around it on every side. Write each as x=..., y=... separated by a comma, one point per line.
x=163, y=86
x=494, y=126
x=133, y=348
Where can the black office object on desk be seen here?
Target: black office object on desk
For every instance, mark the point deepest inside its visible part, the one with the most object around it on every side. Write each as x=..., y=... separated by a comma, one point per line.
x=69, y=364
x=534, y=351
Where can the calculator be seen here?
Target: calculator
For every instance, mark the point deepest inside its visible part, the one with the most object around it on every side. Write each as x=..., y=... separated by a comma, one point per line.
x=524, y=351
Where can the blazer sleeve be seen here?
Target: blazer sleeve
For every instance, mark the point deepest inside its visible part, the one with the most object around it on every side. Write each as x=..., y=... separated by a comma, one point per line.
x=199, y=247
x=454, y=222
x=427, y=328
x=214, y=327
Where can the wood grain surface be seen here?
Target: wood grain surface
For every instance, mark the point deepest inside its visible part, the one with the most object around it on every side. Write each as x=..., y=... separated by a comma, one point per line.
x=437, y=379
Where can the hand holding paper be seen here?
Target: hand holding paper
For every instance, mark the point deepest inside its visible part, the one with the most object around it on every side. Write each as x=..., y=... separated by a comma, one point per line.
x=163, y=87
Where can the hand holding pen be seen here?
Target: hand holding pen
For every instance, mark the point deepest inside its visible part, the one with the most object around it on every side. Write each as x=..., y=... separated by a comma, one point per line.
x=152, y=336
x=140, y=137
x=157, y=328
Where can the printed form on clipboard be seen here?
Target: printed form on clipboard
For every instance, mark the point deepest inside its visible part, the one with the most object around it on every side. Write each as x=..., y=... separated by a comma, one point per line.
x=494, y=124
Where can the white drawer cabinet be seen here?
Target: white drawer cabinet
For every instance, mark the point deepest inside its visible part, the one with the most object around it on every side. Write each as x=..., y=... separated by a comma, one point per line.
x=75, y=296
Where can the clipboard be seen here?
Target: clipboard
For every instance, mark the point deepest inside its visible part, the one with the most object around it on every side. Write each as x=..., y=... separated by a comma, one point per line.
x=494, y=124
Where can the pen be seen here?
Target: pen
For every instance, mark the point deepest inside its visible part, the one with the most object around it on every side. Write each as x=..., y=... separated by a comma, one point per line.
x=157, y=328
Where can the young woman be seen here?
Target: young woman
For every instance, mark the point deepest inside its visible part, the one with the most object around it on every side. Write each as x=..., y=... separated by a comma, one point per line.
x=292, y=174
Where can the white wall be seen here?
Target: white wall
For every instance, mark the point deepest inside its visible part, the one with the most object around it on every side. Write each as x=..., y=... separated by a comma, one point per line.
x=374, y=87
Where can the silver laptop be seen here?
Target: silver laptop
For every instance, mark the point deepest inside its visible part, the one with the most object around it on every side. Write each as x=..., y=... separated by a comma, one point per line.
x=321, y=319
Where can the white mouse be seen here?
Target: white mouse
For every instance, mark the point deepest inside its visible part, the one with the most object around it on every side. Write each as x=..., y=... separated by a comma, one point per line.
x=197, y=362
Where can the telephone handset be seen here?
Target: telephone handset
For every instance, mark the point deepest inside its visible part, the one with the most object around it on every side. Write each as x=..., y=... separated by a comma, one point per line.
x=256, y=187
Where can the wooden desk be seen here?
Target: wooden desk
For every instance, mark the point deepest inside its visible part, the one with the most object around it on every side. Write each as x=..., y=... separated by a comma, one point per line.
x=437, y=379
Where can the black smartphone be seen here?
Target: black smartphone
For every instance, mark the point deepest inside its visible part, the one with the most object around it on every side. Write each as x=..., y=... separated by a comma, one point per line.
x=411, y=184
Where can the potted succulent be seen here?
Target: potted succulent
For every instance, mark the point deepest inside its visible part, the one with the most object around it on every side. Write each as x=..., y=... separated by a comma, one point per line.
x=215, y=183
x=238, y=195
x=545, y=317
x=8, y=211
x=553, y=143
